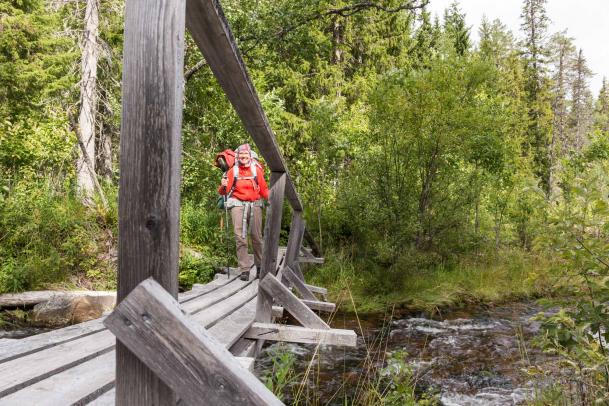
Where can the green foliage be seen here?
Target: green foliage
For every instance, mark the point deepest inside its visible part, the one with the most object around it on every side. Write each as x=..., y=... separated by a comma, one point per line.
x=282, y=375
x=194, y=269
x=49, y=237
x=579, y=332
x=400, y=384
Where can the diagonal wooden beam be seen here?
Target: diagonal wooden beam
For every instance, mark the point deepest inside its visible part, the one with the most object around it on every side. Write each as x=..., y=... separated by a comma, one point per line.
x=182, y=354
x=291, y=303
x=295, y=281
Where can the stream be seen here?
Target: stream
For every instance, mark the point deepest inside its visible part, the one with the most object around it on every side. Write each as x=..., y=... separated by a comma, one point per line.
x=462, y=357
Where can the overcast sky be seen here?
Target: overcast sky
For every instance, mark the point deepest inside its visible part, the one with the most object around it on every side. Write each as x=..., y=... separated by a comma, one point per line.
x=584, y=20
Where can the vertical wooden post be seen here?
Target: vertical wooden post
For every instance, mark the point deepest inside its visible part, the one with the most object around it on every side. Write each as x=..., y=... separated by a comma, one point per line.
x=149, y=194
x=295, y=238
x=272, y=229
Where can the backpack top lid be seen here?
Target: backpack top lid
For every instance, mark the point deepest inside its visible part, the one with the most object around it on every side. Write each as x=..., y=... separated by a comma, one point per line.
x=225, y=160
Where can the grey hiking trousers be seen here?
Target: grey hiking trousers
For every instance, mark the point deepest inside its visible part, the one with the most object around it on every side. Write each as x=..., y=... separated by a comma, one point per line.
x=255, y=231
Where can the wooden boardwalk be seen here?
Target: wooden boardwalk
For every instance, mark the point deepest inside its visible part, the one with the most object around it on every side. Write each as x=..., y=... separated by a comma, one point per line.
x=76, y=364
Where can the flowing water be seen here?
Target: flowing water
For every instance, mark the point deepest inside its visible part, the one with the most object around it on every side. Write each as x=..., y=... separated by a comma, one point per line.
x=464, y=358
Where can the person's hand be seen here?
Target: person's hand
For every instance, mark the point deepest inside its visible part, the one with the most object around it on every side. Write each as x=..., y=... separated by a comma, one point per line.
x=224, y=182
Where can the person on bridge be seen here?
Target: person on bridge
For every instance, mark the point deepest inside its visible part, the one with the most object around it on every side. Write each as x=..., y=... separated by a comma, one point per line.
x=245, y=187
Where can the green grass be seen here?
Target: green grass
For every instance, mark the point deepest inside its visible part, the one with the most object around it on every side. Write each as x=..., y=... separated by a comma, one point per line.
x=486, y=278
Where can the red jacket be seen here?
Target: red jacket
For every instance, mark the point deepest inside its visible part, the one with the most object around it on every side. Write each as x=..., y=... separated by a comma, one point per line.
x=246, y=189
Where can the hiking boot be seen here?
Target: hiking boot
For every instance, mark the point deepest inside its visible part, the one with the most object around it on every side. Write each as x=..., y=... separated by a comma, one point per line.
x=245, y=276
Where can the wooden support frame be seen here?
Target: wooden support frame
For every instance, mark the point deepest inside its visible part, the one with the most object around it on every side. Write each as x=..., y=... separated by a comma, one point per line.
x=185, y=356
x=149, y=187
x=272, y=229
x=295, y=281
x=297, y=228
x=319, y=305
x=295, y=334
x=208, y=26
x=272, y=287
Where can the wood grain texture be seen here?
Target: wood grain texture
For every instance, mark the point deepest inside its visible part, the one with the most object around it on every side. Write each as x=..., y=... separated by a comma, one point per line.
x=72, y=386
x=186, y=357
x=244, y=348
x=296, y=334
x=298, y=284
x=19, y=348
x=213, y=315
x=291, y=303
x=297, y=227
x=327, y=307
x=35, y=367
x=272, y=230
x=208, y=26
x=150, y=160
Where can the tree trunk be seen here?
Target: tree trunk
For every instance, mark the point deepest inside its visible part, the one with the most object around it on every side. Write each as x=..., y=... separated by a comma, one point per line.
x=88, y=100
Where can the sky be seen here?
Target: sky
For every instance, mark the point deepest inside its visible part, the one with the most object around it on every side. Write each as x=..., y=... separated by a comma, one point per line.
x=584, y=20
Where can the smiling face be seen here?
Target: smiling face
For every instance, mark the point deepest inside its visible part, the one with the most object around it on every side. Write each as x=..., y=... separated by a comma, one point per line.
x=244, y=158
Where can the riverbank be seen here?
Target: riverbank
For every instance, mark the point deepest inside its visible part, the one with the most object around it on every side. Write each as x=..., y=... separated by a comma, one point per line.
x=500, y=277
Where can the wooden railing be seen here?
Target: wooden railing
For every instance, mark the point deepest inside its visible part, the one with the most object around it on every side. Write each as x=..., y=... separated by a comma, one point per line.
x=149, y=194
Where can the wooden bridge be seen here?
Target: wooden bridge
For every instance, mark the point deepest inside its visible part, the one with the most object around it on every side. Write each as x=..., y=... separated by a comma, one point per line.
x=157, y=347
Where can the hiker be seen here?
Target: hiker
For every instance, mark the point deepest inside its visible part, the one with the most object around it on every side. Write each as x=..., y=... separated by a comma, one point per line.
x=245, y=187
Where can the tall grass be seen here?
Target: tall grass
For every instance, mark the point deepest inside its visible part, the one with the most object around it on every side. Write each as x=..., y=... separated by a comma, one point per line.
x=418, y=284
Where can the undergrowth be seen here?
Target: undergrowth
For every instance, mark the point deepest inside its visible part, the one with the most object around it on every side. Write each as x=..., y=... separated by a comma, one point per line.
x=417, y=283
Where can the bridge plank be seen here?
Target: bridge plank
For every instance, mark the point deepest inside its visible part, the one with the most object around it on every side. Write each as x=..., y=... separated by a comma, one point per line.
x=28, y=345
x=21, y=372
x=211, y=316
x=75, y=385
x=297, y=334
x=291, y=303
x=231, y=328
x=151, y=324
x=195, y=306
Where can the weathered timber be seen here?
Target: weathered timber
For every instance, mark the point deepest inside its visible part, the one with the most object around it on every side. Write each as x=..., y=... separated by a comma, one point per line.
x=208, y=26
x=105, y=399
x=291, y=303
x=76, y=385
x=40, y=342
x=200, y=290
x=150, y=158
x=272, y=229
x=195, y=306
x=213, y=315
x=296, y=334
x=247, y=363
x=317, y=289
x=295, y=238
x=244, y=348
x=297, y=283
x=277, y=312
x=27, y=370
x=151, y=324
x=230, y=329
x=321, y=306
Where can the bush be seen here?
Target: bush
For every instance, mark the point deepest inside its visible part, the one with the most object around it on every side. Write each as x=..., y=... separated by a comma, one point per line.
x=48, y=237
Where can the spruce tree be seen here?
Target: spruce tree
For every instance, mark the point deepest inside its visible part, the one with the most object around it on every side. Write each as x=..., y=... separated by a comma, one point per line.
x=602, y=109
x=456, y=29
x=580, y=117
x=534, y=25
